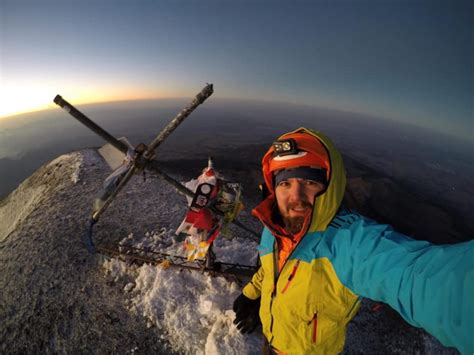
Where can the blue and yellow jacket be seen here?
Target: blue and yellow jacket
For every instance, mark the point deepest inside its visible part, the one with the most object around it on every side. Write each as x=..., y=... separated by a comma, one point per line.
x=307, y=302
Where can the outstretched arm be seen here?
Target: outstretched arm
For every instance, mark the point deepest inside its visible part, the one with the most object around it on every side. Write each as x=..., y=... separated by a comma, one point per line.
x=431, y=286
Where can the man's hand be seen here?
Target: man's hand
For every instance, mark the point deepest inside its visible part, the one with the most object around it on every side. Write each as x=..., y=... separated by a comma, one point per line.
x=246, y=314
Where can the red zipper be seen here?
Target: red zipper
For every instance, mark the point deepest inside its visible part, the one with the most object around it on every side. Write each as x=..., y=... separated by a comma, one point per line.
x=292, y=275
x=315, y=327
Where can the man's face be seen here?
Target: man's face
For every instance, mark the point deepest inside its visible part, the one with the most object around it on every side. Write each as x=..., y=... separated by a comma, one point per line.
x=295, y=198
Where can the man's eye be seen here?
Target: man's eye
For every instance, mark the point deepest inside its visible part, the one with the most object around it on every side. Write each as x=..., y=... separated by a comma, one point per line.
x=283, y=183
x=312, y=183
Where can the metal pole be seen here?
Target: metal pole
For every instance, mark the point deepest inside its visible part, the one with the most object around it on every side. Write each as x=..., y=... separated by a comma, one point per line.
x=120, y=186
x=153, y=166
x=90, y=124
x=170, y=127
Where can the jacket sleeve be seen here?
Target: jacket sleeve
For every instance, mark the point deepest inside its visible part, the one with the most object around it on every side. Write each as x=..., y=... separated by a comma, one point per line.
x=253, y=289
x=431, y=286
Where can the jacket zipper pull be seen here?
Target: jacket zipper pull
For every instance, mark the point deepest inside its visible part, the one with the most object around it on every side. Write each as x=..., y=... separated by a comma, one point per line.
x=315, y=327
x=292, y=275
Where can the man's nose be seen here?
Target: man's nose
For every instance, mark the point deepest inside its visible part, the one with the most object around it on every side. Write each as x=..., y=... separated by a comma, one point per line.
x=297, y=191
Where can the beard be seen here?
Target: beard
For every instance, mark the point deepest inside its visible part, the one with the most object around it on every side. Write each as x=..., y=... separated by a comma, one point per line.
x=293, y=225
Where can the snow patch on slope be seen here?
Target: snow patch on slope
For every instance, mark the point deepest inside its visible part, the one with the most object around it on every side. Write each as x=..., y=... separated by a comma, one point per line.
x=74, y=165
x=75, y=175
x=191, y=310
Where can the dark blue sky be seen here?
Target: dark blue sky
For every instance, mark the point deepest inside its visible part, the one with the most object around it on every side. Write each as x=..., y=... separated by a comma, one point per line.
x=410, y=61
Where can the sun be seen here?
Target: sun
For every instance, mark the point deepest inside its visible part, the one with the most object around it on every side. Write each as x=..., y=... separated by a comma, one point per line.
x=22, y=97
x=17, y=99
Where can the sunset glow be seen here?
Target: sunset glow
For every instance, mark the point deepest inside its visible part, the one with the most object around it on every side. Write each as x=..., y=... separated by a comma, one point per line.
x=409, y=62
x=18, y=98
x=23, y=98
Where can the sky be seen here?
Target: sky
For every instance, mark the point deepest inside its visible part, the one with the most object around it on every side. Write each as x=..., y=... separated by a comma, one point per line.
x=410, y=61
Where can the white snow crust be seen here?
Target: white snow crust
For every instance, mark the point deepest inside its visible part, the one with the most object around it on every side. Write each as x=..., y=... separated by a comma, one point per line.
x=192, y=310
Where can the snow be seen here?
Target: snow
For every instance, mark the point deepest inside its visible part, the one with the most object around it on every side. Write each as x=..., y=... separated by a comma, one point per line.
x=77, y=168
x=192, y=309
x=74, y=165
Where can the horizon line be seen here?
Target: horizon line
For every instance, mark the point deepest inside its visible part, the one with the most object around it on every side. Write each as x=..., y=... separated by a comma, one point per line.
x=52, y=106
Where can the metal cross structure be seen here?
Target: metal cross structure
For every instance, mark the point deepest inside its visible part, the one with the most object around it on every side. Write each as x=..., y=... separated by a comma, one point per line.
x=143, y=156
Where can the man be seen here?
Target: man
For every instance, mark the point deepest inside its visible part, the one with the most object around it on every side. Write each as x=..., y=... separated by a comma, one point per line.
x=318, y=260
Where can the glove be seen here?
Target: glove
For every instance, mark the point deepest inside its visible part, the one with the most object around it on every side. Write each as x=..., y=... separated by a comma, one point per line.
x=246, y=313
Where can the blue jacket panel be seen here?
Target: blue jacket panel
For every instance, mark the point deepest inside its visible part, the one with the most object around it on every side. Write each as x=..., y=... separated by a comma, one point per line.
x=431, y=286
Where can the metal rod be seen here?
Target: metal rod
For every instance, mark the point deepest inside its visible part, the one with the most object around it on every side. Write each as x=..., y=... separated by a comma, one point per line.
x=232, y=269
x=120, y=186
x=154, y=166
x=171, y=126
x=90, y=124
x=164, y=133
